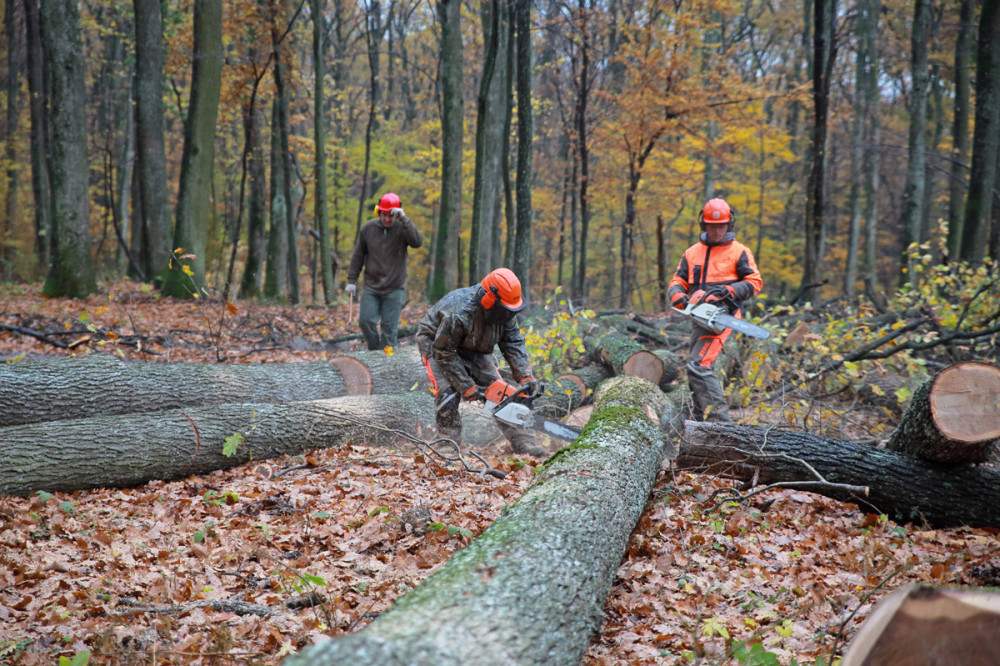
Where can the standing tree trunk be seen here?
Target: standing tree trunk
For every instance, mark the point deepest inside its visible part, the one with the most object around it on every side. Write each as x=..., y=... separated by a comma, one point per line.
x=13, y=168
x=913, y=193
x=71, y=273
x=194, y=202
x=38, y=102
x=257, y=215
x=450, y=215
x=319, y=119
x=530, y=588
x=824, y=13
x=871, y=167
x=521, y=264
x=490, y=118
x=960, y=129
x=582, y=149
x=985, y=136
x=276, y=273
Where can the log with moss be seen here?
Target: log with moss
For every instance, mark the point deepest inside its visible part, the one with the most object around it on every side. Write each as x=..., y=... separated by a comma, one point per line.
x=83, y=386
x=953, y=418
x=902, y=486
x=132, y=449
x=530, y=589
x=622, y=354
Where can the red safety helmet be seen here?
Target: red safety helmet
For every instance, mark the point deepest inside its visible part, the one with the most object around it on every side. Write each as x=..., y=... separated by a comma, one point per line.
x=717, y=211
x=503, y=286
x=388, y=202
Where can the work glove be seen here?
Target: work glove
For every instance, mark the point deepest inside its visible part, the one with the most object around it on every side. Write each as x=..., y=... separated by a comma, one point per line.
x=474, y=392
x=351, y=289
x=397, y=213
x=719, y=292
x=679, y=300
x=530, y=385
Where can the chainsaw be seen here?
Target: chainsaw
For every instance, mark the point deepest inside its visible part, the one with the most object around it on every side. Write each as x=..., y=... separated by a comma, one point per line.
x=717, y=318
x=515, y=407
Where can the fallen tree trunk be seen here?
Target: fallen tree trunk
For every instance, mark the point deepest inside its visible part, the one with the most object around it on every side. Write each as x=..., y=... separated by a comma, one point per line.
x=132, y=449
x=953, y=418
x=84, y=386
x=622, y=354
x=904, y=487
x=529, y=590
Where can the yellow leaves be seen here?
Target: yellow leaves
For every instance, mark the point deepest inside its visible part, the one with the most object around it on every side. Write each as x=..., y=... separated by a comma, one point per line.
x=387, y=351
x=187, y=270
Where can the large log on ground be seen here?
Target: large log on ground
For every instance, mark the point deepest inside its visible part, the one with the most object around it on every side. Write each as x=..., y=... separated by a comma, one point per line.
x=922, y=626
x=904, y=487
x=622, y=354
x=132, y=449
x=953, y=418
x=529, y=589
x=83, y=386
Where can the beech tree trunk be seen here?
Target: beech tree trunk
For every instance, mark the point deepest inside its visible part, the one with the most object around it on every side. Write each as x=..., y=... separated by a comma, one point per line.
x=84, y=386
x=131, y=449
x=903, y=487
x=953, y=418
x=530, y=589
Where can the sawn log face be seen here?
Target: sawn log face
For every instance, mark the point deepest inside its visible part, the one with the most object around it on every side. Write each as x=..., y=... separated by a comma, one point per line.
x=530, y=589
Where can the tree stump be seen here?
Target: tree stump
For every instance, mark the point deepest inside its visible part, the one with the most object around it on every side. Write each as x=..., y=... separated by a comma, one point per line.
x=953, y=418
x=529, y=590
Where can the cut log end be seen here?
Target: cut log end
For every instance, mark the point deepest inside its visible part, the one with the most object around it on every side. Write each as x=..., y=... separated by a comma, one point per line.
x=644, y=364
x=965, y=402
x=357, y=377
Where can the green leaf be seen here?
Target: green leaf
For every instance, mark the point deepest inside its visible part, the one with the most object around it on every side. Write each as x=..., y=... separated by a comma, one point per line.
x=232, y=443
x=45, y=497
x=199, y=536
x=315, y=580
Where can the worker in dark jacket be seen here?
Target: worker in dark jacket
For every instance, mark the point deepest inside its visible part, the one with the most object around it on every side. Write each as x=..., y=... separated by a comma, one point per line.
x=456, y=340
x=381, y=251
x=716, y=269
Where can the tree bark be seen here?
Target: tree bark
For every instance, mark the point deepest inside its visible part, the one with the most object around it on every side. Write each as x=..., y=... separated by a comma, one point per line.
x=71, y=270
x=194, y=200
x=39, y=136
x=913, y=193
x=530, y=588
x=70, y=388
x=953, y=418
x=131, y=449
x=903, y=487
x=319, y=132
x=151, y=160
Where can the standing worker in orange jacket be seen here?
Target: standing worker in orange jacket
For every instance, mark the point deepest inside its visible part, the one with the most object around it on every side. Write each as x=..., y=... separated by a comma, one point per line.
x=716, y=269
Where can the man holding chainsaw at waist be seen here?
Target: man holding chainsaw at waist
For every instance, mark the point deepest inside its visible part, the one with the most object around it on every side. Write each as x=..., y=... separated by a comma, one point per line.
x=719, y=270
x=456, y=340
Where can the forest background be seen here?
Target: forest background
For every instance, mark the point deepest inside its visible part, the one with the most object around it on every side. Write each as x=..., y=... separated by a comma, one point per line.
x=574, y=142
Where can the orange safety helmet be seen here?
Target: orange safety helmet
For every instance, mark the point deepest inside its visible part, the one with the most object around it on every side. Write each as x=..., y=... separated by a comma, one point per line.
x=717, y=211
x=503, y=286
x=388, y=202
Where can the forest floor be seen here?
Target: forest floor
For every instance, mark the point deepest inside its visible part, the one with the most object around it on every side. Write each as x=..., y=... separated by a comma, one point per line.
x=228, y=567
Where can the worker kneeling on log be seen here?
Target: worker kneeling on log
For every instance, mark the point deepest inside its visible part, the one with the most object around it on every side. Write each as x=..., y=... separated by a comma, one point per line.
x=456, y=340
x=717, y=269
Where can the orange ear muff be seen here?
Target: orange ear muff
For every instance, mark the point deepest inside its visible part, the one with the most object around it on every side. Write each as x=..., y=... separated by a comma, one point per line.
x=489, y=298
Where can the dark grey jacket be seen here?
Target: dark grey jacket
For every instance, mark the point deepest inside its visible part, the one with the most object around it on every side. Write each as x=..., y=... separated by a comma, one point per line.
x=382, y=252
x=455, y=328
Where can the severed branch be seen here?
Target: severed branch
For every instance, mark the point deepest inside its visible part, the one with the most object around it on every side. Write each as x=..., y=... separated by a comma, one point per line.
x=820, y=481
x=226, y=606
x=35, y=334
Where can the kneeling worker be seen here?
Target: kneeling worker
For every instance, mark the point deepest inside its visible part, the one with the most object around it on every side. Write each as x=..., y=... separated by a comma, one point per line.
x=456, y=340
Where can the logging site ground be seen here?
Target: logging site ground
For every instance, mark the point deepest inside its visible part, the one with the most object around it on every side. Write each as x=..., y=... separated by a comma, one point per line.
x=255, y=563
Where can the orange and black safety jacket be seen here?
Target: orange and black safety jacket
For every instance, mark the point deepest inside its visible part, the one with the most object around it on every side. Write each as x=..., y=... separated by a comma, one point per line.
x=707, y=265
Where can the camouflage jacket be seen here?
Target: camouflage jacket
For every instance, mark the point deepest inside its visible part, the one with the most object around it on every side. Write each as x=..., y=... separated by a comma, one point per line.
x=455, y=328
